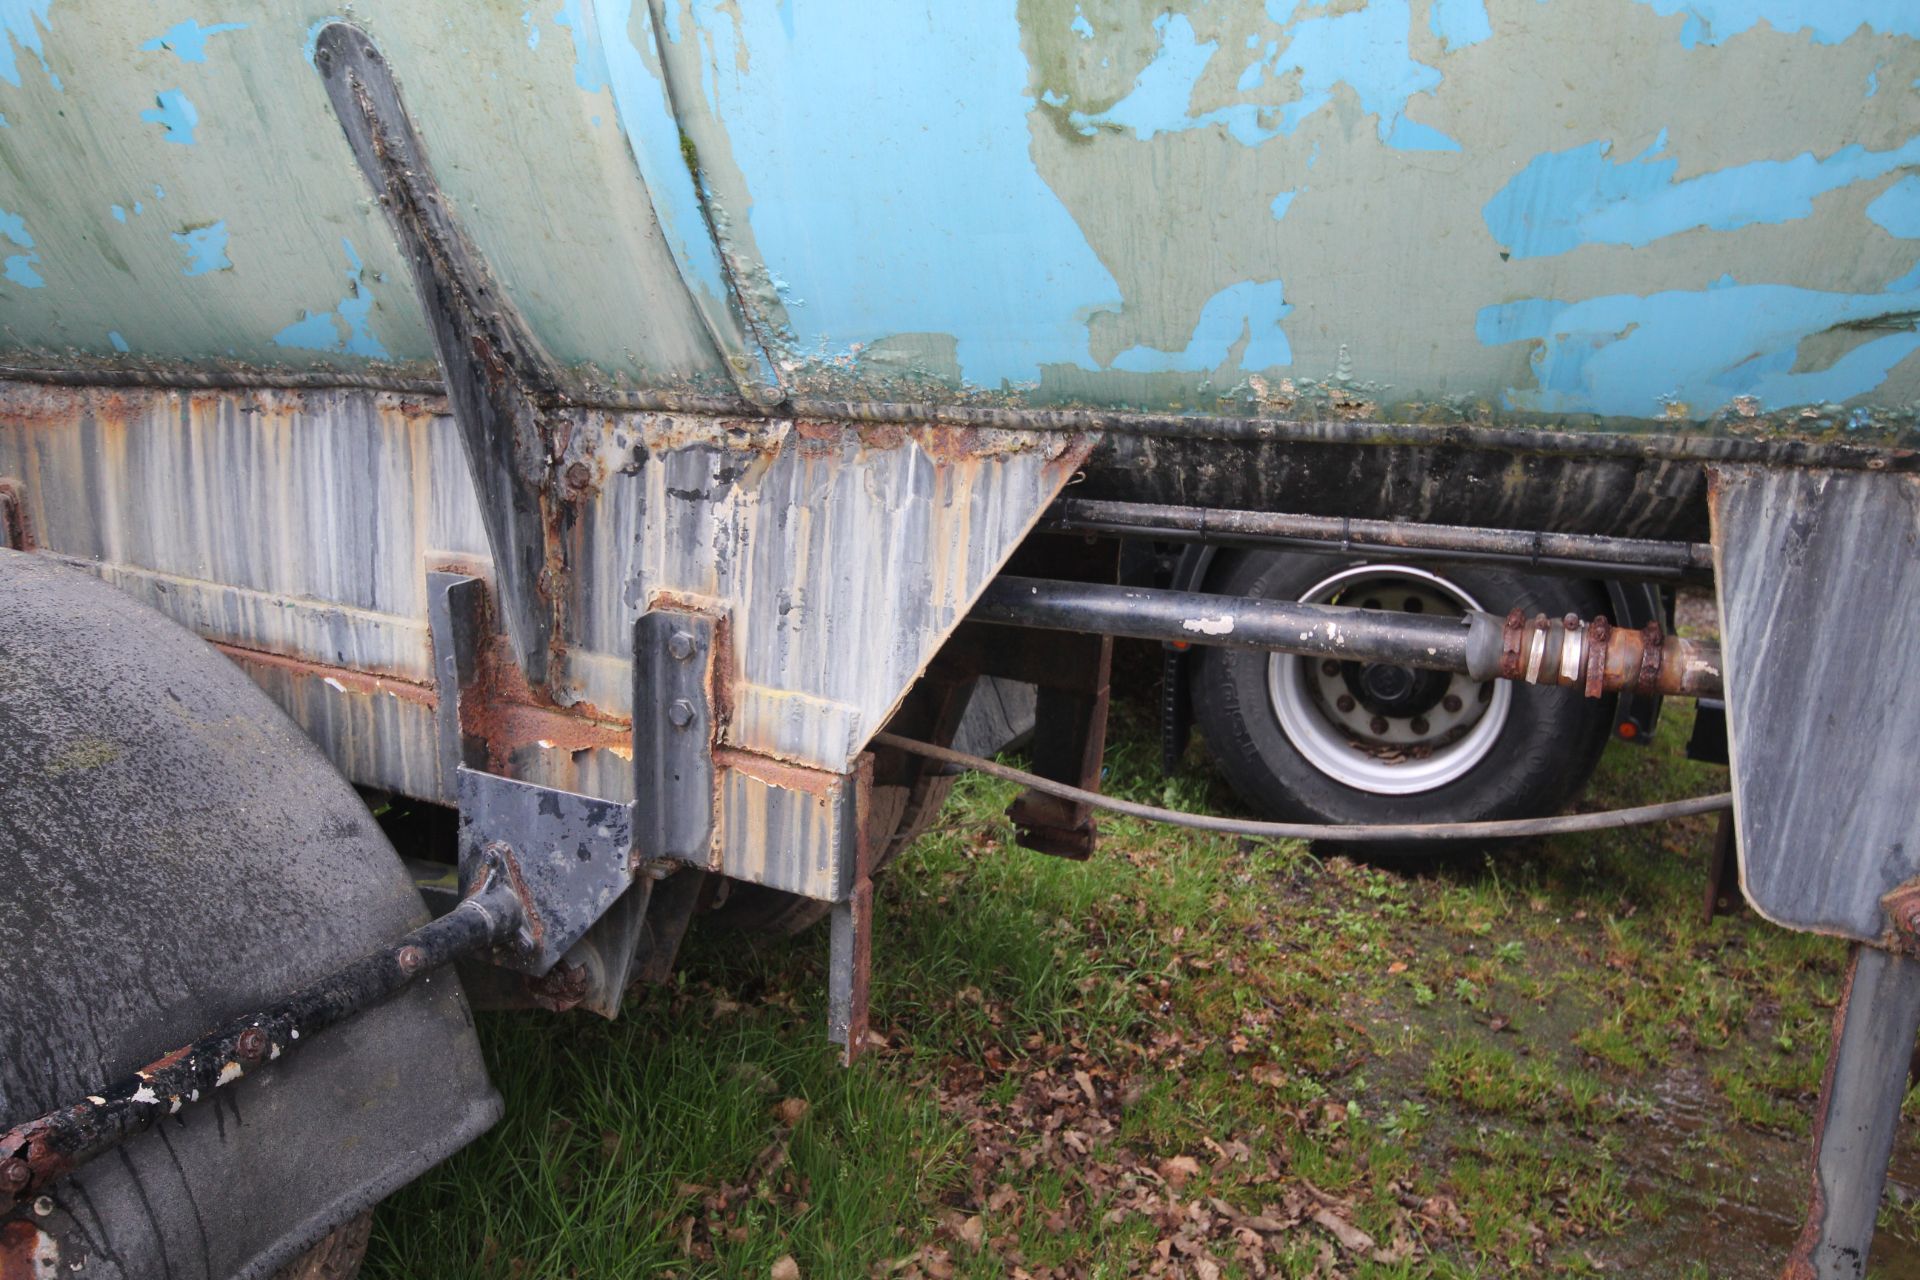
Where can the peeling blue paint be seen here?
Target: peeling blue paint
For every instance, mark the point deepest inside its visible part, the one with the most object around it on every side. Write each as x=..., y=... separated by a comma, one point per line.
x=19, y=267
x=1873, y=79
x=1460, y=23
x=532, y=25
x=345, y=329
x=1365, y=50
x=607, y=55
x=119, y=343
x=589, y=61
x=908, y=197
x=1898, y=209
x=1281, y=203
x=1251, y=310
x=206, y=249
x=188, y=40
x=118, y=212
x=175, y=114
x=1632, y=356
x=1080, y=26
x=1564, y=199
x=1711, y=22
x=21, y=22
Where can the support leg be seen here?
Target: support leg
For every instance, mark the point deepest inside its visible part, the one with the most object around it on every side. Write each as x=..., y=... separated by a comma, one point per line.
x=852, y=947
x=1858, y=1113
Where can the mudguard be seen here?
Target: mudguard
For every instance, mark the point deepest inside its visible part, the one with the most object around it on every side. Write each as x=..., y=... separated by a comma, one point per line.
x=173, y=853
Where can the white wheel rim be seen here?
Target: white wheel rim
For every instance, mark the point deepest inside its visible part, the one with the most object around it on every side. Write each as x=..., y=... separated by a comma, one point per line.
x=1417, y=753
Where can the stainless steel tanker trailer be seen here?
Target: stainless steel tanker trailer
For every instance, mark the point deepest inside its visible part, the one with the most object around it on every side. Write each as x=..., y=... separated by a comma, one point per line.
x=638, y=425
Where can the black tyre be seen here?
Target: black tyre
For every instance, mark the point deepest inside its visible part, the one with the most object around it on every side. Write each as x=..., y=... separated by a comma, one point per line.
x=1311, y=740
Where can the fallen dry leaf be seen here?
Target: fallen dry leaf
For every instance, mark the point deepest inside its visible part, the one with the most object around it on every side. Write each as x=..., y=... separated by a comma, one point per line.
x=1178, y=1169
x=785, y=1269
x=1350, y=1237
x=790, y=1111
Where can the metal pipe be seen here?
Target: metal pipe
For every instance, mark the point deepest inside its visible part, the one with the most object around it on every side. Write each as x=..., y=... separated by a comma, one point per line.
x=1611, y=557
x=1492, y=829
x=1592, y=656
x=38, y=1151
x=1466, y=644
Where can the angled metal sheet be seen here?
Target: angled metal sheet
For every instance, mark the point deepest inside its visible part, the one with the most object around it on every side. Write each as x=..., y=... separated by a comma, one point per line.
x=1819, y=582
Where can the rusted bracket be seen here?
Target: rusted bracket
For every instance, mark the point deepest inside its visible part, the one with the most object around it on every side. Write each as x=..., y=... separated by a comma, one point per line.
x=1069, y=743
x=500, y=380
x=14, y=533
x=676, y=725
x=570, y=858
x=1723, y=895
x=850, y=962
x=1902, y=906
x=1858, y=1112
x=456, y=621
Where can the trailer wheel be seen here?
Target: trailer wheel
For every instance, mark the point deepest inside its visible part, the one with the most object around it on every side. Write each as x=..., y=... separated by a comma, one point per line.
x=1316, y=740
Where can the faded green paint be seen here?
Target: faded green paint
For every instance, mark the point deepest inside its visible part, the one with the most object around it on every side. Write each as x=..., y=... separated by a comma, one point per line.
x=1384, y=254
x=549, y=197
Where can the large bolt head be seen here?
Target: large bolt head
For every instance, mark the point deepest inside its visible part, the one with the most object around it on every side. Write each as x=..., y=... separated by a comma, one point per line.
x=252, y=1045
x=680, y=645
x=680, y=712
x=15, y=1173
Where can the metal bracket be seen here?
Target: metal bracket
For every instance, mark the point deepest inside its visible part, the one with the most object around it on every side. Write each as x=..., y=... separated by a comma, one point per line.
x=14, y=534
x=675, y=729
x=1858, y=1113
x=570, y=857
x=456, y=614
x=499, y=378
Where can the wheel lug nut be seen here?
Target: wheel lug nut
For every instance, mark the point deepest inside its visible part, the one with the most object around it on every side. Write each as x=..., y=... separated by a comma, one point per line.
x=1344, y=702
x=1420, y=724
x=1328, y=667
x=1378, y=724
x=1451, y=702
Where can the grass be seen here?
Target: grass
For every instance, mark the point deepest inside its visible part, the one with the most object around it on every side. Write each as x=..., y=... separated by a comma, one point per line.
x=1190, y=1056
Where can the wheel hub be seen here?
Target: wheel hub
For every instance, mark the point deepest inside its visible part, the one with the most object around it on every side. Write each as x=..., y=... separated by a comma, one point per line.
x=1394, y=692
x=1386, y=729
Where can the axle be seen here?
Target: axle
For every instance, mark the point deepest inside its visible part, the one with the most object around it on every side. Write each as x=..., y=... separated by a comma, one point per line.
x=1592, y=656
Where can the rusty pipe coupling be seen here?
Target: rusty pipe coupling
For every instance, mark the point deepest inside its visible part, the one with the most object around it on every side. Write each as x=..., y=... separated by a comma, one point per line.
x=1595, y=657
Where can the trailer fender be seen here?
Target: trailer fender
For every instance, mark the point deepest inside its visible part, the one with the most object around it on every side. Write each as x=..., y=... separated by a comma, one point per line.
x=174, y=852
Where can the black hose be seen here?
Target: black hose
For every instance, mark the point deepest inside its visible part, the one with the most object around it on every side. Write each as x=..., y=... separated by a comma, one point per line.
x=1505, y=828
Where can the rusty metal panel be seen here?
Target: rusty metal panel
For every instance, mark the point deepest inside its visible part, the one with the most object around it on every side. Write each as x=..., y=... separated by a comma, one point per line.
x=299, y=529
x=1819, y=582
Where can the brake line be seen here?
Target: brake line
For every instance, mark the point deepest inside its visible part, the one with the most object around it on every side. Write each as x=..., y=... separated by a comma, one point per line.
x=1564, y=824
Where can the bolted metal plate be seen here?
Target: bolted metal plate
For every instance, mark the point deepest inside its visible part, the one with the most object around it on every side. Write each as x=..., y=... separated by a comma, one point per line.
x=674, y=733
x=571, y=856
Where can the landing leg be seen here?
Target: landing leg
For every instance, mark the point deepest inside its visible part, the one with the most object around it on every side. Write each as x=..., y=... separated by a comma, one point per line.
x=1859, y=1110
